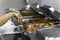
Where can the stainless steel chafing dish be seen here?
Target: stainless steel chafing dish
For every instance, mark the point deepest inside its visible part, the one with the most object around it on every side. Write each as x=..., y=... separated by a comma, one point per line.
x=42, y=14
x=43, y=32
x=42, y=18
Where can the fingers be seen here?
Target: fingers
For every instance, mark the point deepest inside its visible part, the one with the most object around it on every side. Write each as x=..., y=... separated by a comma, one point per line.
x=19, y=20
x=18, y=16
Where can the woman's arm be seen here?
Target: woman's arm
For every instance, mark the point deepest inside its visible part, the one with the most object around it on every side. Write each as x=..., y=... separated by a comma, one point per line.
x=6, y=17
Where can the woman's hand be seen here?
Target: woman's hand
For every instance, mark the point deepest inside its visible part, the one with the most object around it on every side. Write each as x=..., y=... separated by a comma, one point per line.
x=19, y=18
x=6, y=17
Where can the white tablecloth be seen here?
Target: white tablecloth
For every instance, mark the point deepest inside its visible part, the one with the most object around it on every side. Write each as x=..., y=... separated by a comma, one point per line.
x=7, y=27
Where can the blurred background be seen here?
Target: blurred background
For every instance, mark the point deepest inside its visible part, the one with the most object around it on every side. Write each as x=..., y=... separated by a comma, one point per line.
x=18, y=4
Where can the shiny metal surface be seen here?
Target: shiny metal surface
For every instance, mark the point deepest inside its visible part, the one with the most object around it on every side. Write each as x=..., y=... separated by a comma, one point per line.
x=48, y=32
x=36, y=7
x=51, y=12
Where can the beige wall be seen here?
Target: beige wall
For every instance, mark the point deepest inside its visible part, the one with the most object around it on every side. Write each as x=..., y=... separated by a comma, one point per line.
x=4, y=4
x=11, y=4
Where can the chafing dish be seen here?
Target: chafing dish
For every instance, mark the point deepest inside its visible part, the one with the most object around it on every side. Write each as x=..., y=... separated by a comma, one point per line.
x=42, y=18
x=34, y=13
x=48, y=31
